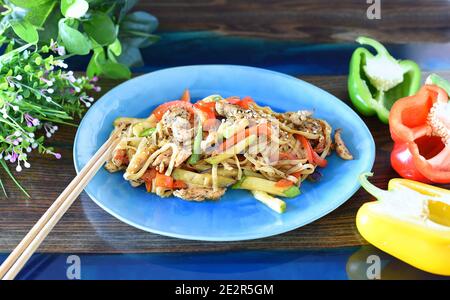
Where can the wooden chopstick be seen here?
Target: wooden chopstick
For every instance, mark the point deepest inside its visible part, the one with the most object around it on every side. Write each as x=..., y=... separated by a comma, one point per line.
x=20, y=255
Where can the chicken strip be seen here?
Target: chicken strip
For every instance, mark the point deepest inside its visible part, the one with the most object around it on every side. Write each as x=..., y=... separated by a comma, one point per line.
x=341, y=149
x=199, y=194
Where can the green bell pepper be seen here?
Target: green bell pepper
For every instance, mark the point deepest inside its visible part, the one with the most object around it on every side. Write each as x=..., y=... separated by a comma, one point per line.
x=435, y=79
x=375, y=82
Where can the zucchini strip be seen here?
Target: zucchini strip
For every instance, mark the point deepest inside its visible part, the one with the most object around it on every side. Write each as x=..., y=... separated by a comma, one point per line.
x=203, y=180
x=230, y=152
x=268, y=186
x=273, y=203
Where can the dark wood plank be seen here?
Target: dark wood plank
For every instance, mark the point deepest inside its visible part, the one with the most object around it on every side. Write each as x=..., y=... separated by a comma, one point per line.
x=87, y=228
x=308, y=20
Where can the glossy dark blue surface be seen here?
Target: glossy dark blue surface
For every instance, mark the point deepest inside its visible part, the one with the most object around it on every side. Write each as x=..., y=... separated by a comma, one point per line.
x=290, y=57
x=340, y=264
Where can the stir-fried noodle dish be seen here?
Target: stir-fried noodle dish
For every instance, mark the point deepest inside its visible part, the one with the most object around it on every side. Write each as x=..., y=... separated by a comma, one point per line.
x=196, y=150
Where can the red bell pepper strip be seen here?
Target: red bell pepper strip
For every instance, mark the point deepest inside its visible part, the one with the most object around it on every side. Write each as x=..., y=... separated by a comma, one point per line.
x=121, y=157
x=168, y=182
x=163, y=181
x=311, y=155
x=161, y=110
x=297, y=174
x=420, y=126
x=148, y=177
x=179, y=184
x=186, y=96
x=283, y=183
x=244, y=103
x=233, y=100
x=208, y=108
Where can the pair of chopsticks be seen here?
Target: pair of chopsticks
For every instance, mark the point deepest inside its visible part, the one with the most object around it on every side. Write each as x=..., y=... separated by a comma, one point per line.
x=22, y=253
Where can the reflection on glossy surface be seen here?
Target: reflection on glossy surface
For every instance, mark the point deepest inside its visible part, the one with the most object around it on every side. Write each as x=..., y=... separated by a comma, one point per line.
x=237, y=216
x=184, y=266
x=340, y=264
x=390, y=267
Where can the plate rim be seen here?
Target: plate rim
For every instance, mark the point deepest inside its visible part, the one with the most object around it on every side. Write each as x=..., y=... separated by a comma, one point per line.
x=336, y=204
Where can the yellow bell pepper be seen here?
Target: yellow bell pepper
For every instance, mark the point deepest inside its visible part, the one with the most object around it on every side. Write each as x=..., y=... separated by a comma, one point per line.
x=410, y=221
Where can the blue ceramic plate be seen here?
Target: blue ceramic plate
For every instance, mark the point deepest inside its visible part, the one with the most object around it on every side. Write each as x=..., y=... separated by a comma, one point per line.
x=237, y=215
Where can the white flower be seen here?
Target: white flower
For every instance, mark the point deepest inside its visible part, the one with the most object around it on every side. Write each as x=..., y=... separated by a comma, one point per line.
x=77, y=9
x=4, y=113
x=61, y=50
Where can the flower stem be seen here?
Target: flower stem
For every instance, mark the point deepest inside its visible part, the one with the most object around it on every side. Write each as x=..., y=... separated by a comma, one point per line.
x=2, y=162
x=3, y=188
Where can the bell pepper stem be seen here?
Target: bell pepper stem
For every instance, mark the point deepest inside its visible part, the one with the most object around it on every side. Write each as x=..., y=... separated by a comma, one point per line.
x=375, y=44
x=370, y=188
x=439, y=81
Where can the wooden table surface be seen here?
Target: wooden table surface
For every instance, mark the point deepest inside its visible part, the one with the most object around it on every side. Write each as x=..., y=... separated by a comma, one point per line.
x=402, y=21
x=86, y=228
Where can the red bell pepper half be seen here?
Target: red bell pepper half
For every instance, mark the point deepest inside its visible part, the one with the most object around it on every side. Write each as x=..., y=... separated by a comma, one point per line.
x=420, y=128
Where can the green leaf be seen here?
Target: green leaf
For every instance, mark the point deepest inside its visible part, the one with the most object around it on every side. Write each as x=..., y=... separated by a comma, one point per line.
x=74, y=8
x=25, y=30
x=29, y=3
x=50, y=27
x=115, y=48
x=38, y=15
x=139, y=21
x=74, y=41
x=93, y=68
x=115, y=70
x=97, y=58
x=100, y=65
x=101, y=28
